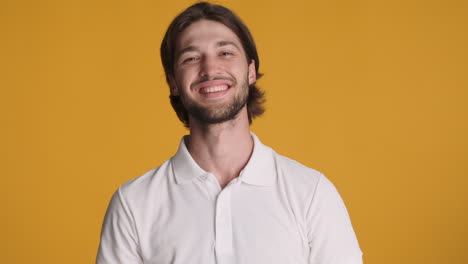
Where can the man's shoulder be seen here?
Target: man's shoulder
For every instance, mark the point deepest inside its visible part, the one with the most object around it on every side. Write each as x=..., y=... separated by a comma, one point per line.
x=146, y=183
x=300, y=181
x=297, y=173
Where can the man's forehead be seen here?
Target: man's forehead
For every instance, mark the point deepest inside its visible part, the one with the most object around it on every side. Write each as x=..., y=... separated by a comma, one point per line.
x=207, y=30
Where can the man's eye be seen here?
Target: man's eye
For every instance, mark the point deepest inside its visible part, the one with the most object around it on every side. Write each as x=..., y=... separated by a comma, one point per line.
x=226, y=53
x=190, y=59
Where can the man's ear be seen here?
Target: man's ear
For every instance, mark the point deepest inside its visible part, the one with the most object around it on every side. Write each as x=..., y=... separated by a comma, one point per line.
x=252, y=73
x=174, y=89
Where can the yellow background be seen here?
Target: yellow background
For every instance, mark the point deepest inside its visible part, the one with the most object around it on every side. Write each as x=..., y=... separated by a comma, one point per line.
x=372, y=93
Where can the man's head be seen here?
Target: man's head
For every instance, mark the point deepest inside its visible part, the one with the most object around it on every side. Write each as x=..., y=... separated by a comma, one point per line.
x=191, y=63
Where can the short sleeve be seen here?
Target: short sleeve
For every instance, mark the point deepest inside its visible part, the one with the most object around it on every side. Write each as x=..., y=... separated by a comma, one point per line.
x=119, y=242
x=329, y=231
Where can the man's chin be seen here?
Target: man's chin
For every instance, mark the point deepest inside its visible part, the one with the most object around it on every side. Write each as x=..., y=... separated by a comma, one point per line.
x=216, y=113
x=213, y=119
x=215, y=116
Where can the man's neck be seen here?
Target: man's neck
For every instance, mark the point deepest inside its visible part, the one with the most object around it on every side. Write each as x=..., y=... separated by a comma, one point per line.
x=221, y=149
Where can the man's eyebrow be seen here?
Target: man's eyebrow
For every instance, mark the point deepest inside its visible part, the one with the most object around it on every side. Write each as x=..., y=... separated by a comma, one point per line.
x=226, y=43
x=218, y=44
x=186, y=49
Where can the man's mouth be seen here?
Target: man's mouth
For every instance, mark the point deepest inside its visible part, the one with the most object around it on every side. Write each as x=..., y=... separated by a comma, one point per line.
x=213, y=89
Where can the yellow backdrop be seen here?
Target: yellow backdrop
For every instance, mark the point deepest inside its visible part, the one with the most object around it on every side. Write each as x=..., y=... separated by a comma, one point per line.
x=372, y=93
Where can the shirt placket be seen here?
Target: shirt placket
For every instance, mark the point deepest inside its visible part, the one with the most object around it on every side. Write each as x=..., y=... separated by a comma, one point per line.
x=224, y=224
x=223, y=219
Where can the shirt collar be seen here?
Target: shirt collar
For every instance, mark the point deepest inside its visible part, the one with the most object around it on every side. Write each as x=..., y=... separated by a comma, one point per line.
x=260, y=169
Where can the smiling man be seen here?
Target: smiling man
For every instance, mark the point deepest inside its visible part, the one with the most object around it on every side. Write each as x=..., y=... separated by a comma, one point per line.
x=224, y=197
x=212, y=74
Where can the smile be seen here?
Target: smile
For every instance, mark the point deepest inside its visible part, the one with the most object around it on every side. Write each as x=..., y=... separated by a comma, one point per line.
x=213, y=89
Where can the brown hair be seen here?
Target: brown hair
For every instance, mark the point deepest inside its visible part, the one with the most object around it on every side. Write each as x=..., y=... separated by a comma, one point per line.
x=221, y=14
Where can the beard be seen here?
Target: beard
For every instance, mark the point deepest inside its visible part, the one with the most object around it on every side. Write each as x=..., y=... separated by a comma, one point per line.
x=218, y=114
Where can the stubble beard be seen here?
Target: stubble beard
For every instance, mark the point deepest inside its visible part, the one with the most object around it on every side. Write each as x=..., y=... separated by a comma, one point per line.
x=219, y=114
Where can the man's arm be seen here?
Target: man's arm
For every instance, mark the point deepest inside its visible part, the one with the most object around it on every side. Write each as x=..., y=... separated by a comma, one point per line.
x=119, y=241
x=331, y=236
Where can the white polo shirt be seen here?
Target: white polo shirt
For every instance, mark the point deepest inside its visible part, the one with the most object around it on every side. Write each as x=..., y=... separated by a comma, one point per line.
x=276, y=212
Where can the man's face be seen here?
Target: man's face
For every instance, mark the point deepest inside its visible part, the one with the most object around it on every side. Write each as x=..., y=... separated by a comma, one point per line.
x=211, y=72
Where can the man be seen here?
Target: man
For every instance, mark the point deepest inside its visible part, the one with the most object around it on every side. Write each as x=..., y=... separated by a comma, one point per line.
x=224, y=197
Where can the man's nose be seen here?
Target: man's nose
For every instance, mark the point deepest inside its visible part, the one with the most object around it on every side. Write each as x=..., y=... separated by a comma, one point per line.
x=209, y=66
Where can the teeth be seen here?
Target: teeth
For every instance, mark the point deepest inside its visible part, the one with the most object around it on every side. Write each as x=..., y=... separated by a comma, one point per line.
x=214, y=89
